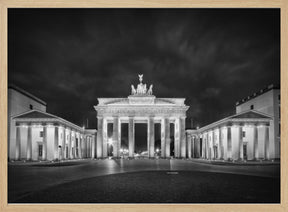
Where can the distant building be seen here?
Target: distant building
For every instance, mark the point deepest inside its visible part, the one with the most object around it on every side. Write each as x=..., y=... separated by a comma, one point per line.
x=19, y=101
x=266, y=101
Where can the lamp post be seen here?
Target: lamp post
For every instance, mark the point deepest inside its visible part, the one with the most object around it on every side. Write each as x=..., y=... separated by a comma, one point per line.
x=110, y=144
x=157, y=152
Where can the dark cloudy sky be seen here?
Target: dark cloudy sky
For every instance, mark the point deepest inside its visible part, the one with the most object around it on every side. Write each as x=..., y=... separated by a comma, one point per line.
x=211, y=57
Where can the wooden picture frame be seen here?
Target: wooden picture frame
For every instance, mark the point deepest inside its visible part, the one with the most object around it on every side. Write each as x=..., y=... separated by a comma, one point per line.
x=5, y=4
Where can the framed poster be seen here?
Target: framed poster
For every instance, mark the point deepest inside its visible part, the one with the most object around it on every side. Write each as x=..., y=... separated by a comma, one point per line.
x=131, y=106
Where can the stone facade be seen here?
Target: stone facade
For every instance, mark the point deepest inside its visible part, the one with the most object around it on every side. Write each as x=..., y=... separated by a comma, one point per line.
x=266, y=101
x=43, y=136
x=244, y=136
x=19, y=101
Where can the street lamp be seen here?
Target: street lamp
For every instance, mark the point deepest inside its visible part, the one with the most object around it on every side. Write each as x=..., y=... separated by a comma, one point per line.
x=110, y=143
x=157, y=152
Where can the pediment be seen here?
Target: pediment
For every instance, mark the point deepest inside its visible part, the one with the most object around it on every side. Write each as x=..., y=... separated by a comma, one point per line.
x=35, y=114
x=250, y=114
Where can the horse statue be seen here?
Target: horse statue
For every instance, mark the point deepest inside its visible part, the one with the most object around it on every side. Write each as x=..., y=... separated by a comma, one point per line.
x=144, y=89
x=133, y=90
x=150, y=90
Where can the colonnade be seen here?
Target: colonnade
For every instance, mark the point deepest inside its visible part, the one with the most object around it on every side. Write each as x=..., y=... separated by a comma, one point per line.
x=179, y=130
x=227, y=142
x=56, y=142
x=193, y=145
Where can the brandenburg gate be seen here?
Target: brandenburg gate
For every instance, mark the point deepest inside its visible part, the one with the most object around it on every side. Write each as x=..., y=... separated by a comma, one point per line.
x=141, y=107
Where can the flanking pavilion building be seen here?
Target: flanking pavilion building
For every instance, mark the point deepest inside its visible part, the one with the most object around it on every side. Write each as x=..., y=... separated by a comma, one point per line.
x=43, y=136
x=243, y=136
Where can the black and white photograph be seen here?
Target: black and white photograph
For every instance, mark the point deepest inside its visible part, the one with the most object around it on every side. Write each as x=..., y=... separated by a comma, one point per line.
x=144, y=105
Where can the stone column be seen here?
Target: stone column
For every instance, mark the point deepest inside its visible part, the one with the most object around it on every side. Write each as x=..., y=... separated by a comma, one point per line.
x=131, y=136
x=90, y=147
x=189, y=141
x=70, y=144
x=208, y=151
x=87, y=146
x=18, y=142
x=198, y=146
x=167, y=138
x=266, y=142
x=163, y=137
x=116, y=146
x=77, y=145
x=84, y=146
x=44, y=153
x=229, y=143
x=151, y=137
x=29, y=143
x=182, y=137
x=255, y=142
x=194, y=146
x=93, y=147
x=119, y=135
x=105, y=138
x=56, y=139
x=240, y=128
x=203, y=146
x=221, y=144
x=80, y=146
x=177, y=138
x=64, y=143
x=99, y=137
x=213, y=153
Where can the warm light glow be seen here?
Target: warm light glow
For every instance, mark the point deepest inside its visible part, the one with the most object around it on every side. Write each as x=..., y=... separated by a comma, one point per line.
x=157, y=150
x=110, y=141
x=121, y=150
